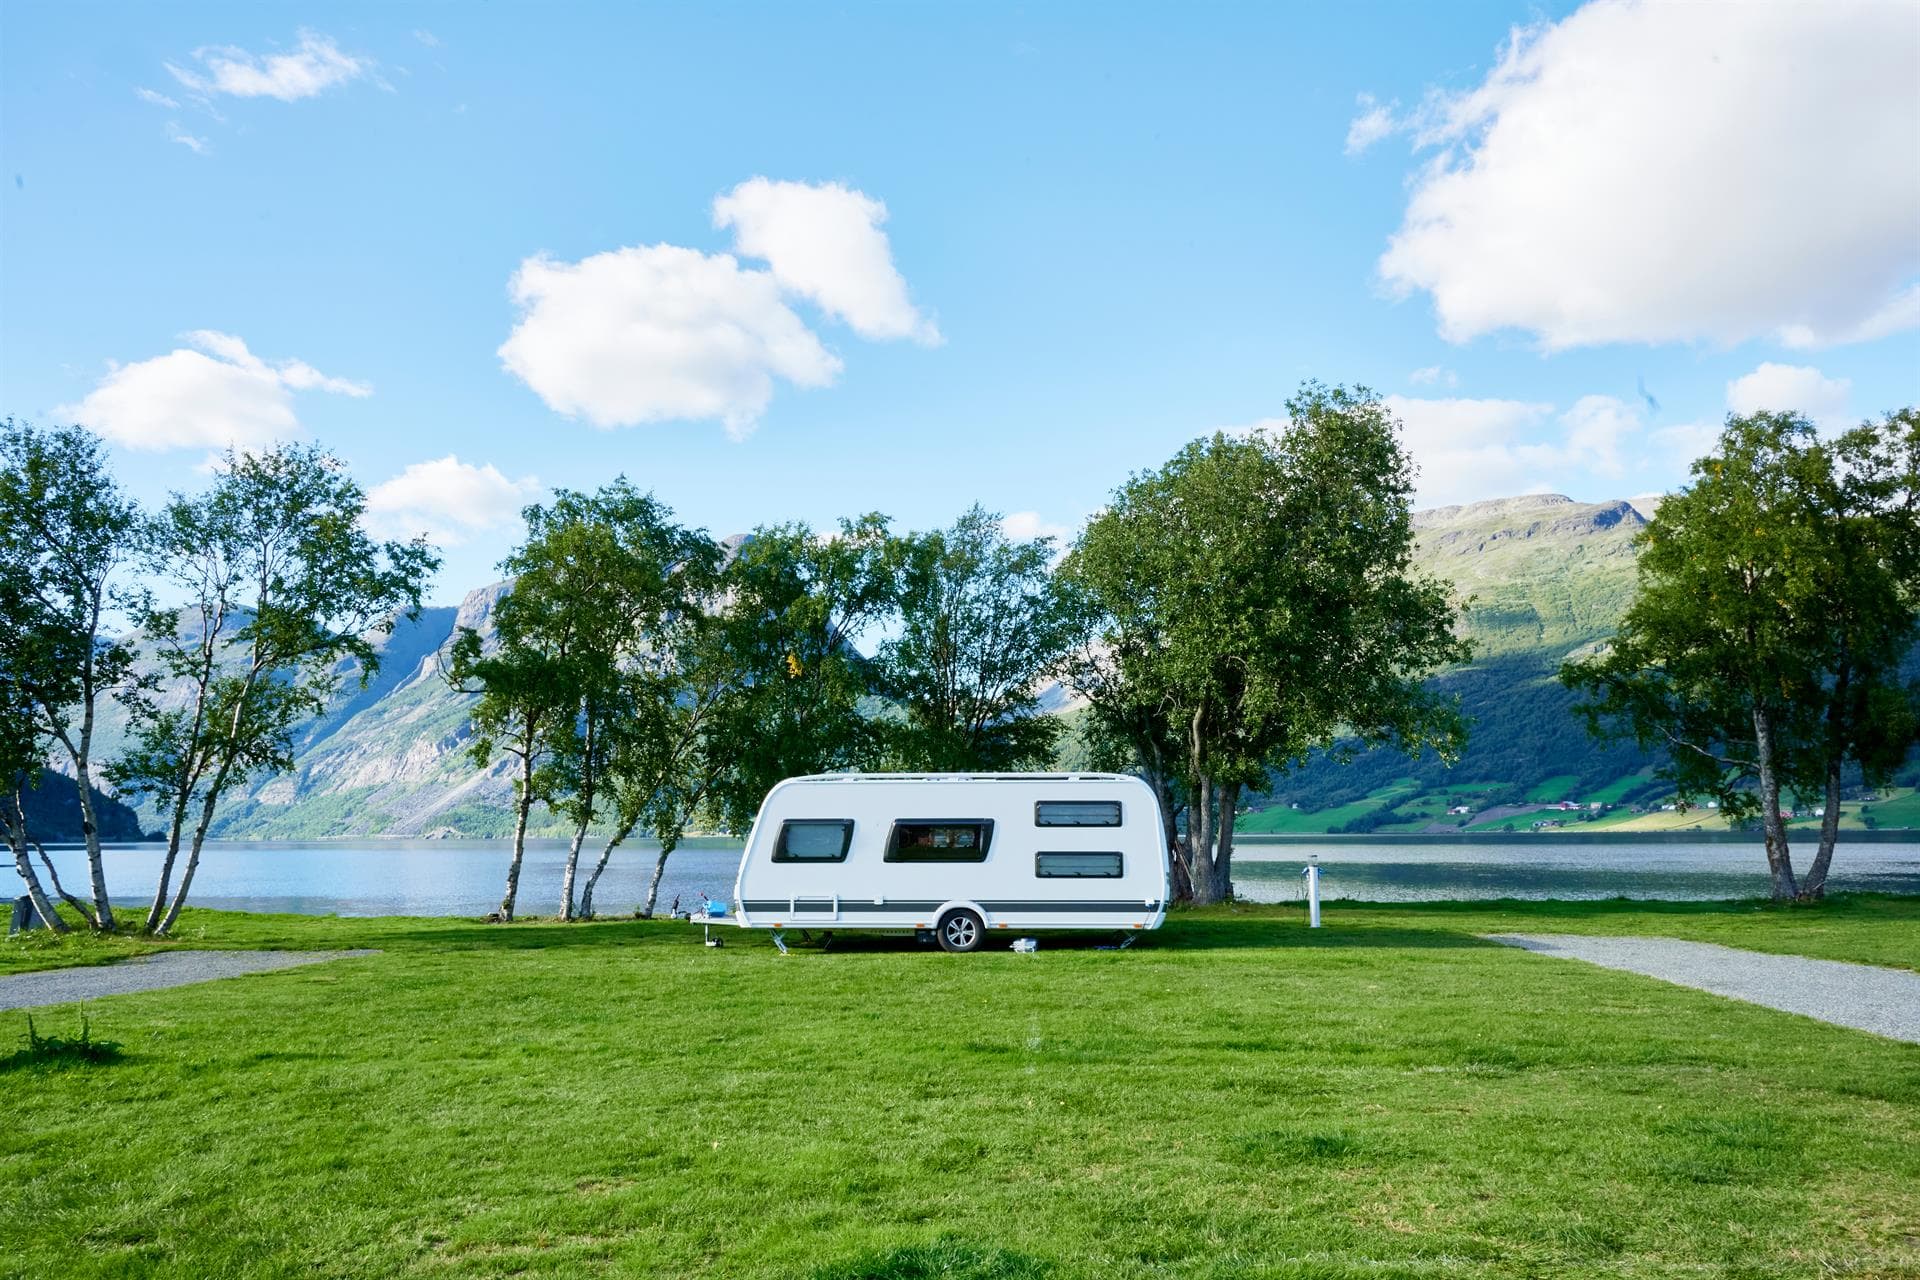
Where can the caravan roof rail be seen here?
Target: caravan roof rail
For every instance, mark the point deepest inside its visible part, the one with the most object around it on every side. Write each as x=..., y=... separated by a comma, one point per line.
x=964, y=777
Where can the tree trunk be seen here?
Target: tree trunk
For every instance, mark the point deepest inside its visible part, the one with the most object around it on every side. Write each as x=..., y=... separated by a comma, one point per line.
x=90, y=833
x=572, y=869
x=165, y=881
x=1202, y=833
x=60, y=890
x=16, y=824
x=653, y=881
x=523, y=805
x=1779, y=858
x=587, y=772
x=1180, y=885
x=193, y=859
x=1223, y=860
x=1815, y=885
x=586, y=895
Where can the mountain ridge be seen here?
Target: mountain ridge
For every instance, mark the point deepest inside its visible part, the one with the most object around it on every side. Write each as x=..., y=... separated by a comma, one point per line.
x=1545, y=575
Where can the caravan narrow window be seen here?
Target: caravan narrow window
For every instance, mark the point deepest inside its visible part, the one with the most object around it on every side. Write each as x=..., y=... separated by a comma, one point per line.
x=813, y=840
x=941, y=840
x=1077, y=866
x=1076, y=813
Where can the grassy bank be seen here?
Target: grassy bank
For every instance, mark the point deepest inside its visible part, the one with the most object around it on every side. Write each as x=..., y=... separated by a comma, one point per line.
x=1237, y=1097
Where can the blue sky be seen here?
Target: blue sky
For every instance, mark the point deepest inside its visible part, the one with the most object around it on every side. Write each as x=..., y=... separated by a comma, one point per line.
x=1107, y=229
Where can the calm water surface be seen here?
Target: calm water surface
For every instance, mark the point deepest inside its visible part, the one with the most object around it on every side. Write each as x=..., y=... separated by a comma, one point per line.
x=459, y=878
x=1555, y=867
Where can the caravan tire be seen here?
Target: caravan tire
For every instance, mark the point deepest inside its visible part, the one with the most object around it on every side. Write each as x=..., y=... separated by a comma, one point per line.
x=961, y=931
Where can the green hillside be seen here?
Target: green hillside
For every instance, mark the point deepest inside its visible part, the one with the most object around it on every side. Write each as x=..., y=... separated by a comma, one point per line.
x=1544, y=577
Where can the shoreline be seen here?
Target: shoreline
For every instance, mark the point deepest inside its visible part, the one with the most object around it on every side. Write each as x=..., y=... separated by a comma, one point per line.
x=1890, y=835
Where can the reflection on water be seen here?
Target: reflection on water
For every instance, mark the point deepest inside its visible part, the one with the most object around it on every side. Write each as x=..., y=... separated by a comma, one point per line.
x=1398, y=872
x=450, y=878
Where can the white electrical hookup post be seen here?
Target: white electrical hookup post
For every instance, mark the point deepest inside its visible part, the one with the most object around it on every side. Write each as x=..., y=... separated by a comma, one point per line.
x=1312, y=873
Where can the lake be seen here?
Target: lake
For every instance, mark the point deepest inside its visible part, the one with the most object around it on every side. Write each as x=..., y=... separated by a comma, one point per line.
x=464, y=878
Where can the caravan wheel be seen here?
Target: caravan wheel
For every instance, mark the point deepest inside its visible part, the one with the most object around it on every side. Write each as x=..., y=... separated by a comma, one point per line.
x=961, y=931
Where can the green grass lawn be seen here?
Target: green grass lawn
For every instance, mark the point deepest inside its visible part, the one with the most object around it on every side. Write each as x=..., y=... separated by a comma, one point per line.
x=1238, y=1096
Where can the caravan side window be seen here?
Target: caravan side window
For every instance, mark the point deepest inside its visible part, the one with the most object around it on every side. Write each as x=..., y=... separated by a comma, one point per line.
x=1076, y=813
x=940, y=840
x=1077, y=866
x=813, y=840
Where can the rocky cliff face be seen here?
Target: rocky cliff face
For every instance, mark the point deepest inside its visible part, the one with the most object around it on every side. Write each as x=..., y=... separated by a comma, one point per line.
x=391, y=758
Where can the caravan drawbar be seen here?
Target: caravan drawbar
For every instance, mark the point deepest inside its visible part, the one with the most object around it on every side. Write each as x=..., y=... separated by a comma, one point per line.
x=963, y=855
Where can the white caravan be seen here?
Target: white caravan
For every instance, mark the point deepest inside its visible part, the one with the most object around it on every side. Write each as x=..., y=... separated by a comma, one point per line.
x=962, y=855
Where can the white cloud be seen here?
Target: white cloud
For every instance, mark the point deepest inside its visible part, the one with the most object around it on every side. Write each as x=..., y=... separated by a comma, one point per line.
x=824, y=242
x=1682, y=442
x=191, y=142
x=1902, y=312
x=448, y=500
x=211, y=393
x=1470, y=449
x=1593, y=431
x=650, y=333
x=1467, y=449
x=315, y=66
x=155, y=99
x=1375, y=121
x=657, y=332
x=1434, y=376
x=426, y=37
x=1025, y=526
x=1652, y=172
x=1791, y=389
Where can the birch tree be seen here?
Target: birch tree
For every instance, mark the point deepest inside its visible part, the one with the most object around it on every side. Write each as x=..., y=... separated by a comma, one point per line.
x=1255, y=600
x=1775, y=607
x=23, y=757
x=668, y=750
x=629, y=587
x=68, y=535
x=522, y=697
x=796, y=607
x=982, y=627
x=275, y=591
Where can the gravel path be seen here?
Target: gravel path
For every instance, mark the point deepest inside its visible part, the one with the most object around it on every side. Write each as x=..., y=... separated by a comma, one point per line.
x=149, y=973
x=1862, y=996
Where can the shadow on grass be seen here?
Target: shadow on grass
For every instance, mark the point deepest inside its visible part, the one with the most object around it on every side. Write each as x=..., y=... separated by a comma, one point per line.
x=944, y=1259
x=57, y=1052
x=1212, y=933
x=1178, y=934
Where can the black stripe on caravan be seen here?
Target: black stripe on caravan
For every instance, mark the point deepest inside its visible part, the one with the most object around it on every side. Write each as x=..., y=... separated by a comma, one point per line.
x=1132, y=904
x=815, y=905
x=812, y=904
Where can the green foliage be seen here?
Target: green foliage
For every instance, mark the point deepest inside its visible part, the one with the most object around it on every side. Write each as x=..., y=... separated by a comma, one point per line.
x=1256, y=599
x=68, y=532
x=43, y=1052
x=1776, y=606
x=796, y=607
x=278, y=590
x=983, y=625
